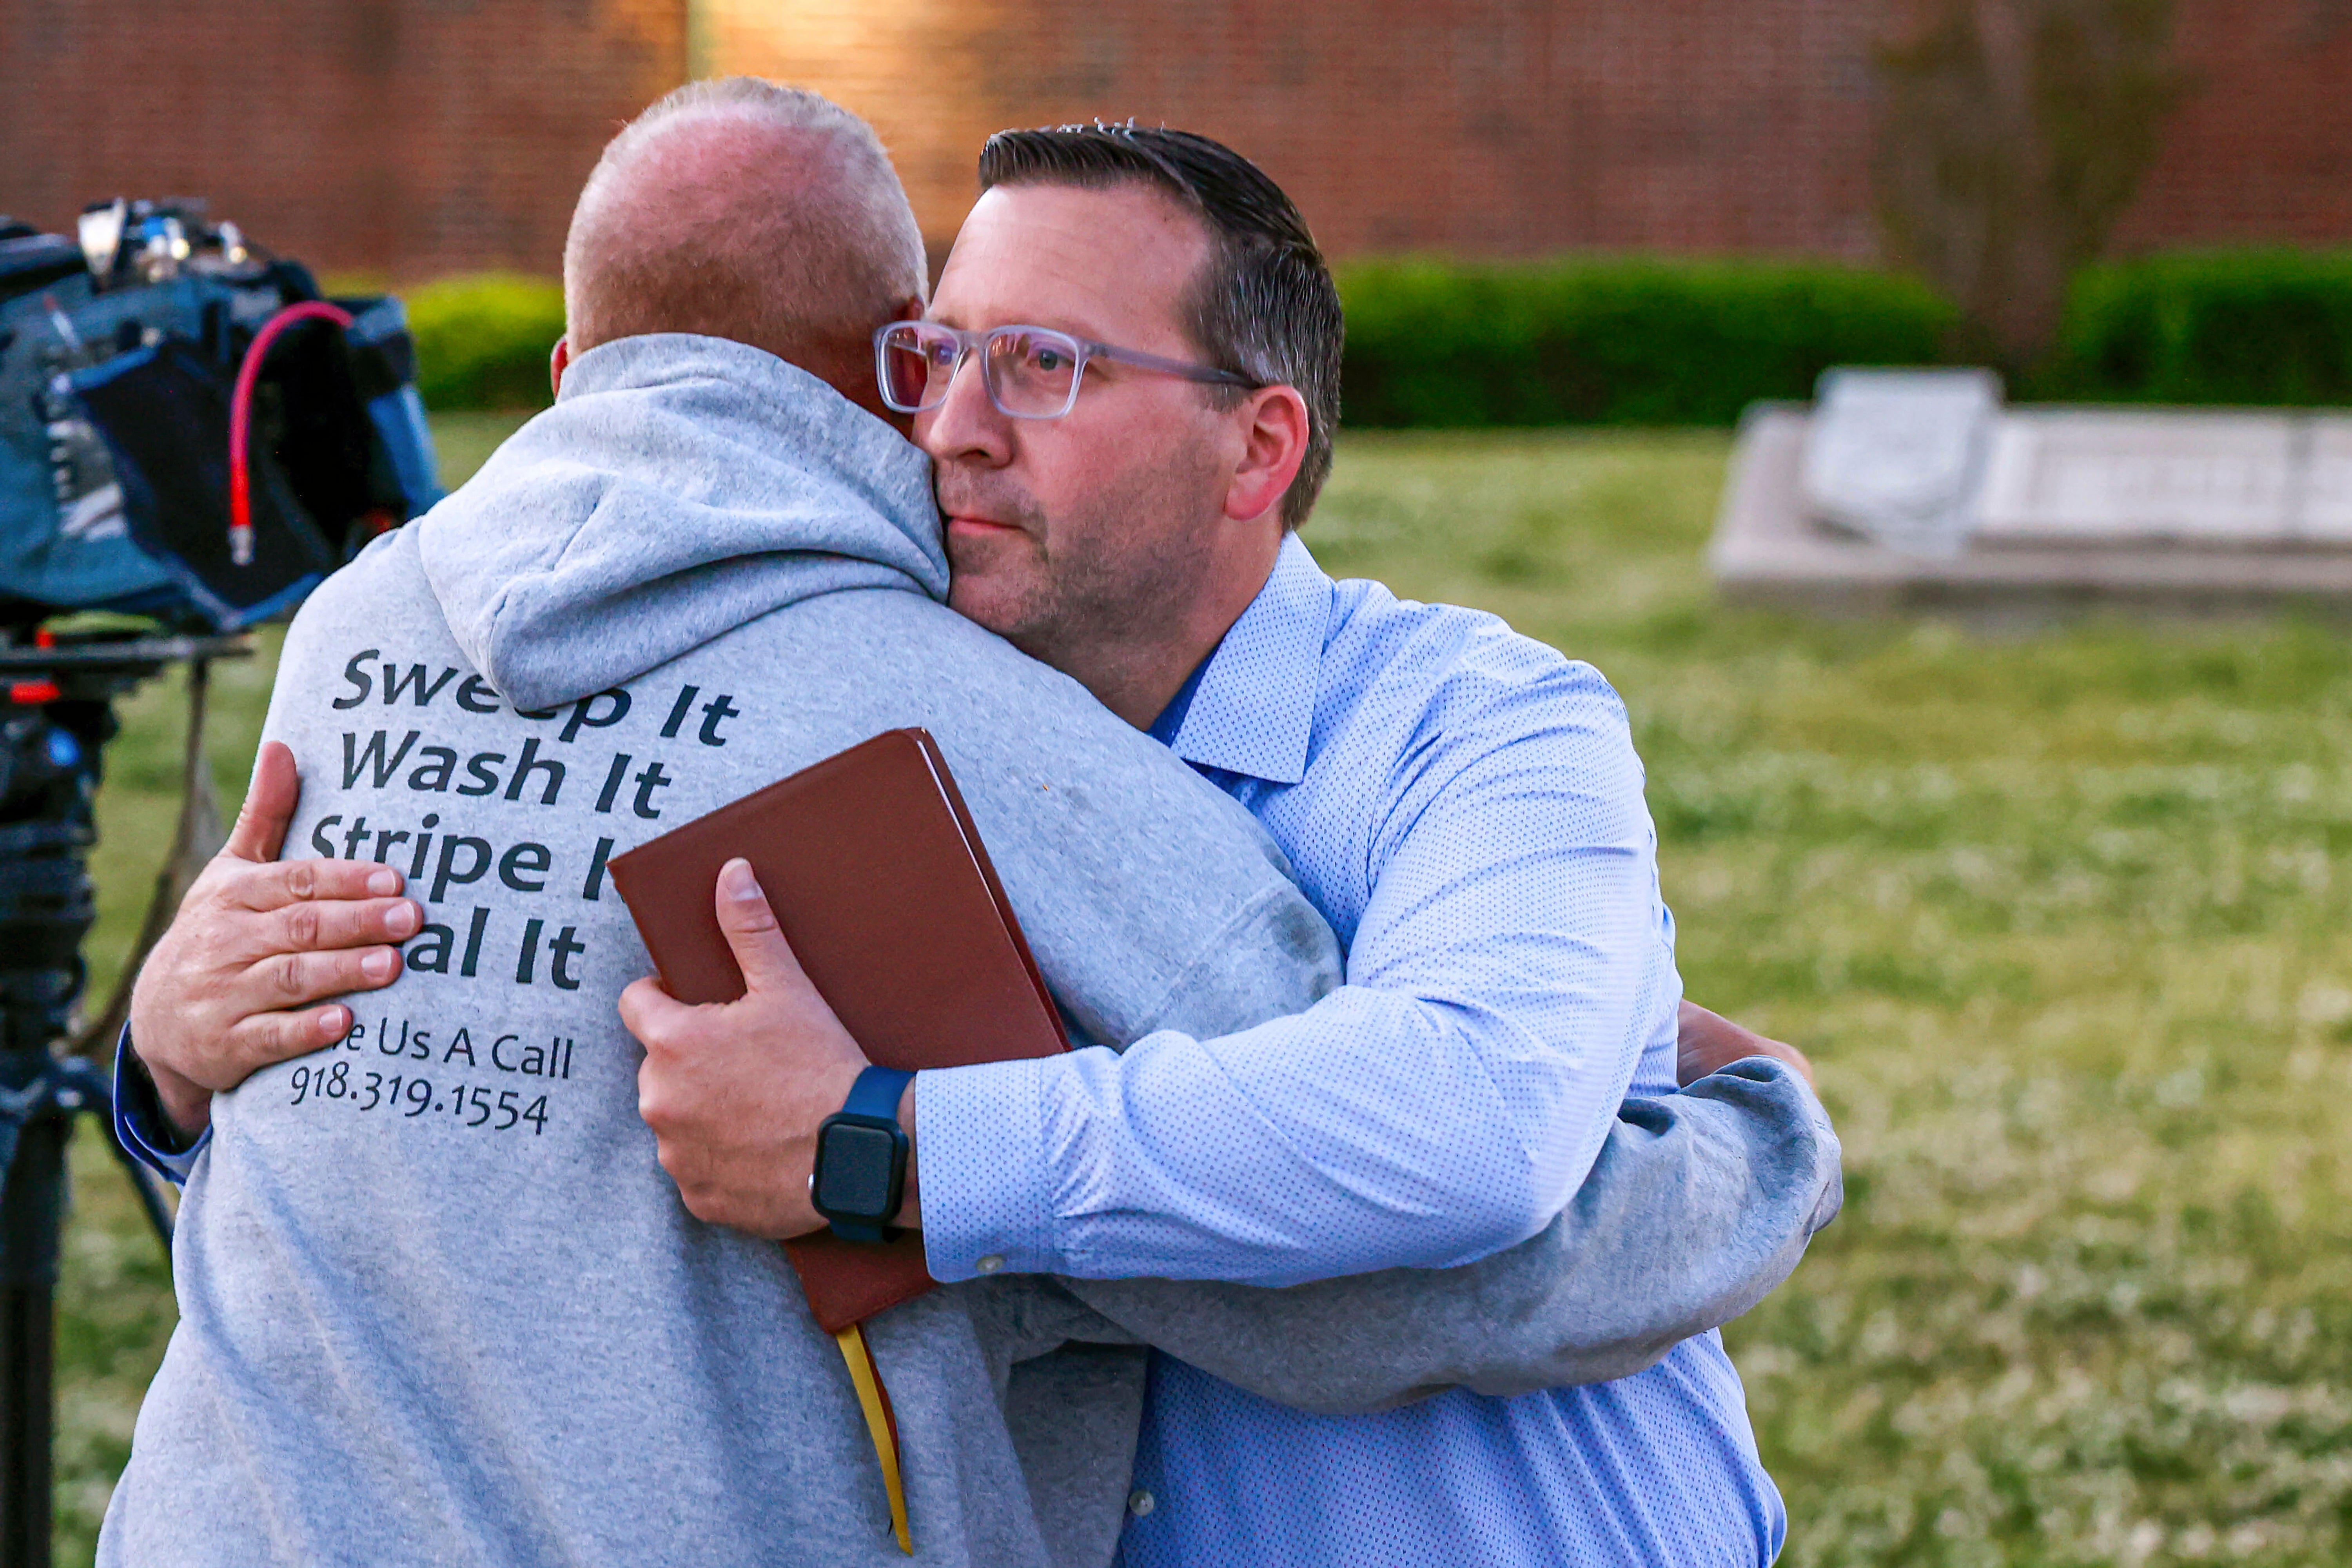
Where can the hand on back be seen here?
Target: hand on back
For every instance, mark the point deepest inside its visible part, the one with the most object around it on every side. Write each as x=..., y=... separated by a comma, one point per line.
x=235, y=984
x=1708, y=1043
x=734, y=1093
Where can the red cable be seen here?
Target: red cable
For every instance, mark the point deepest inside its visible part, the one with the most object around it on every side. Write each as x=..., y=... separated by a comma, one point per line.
x=240, y=417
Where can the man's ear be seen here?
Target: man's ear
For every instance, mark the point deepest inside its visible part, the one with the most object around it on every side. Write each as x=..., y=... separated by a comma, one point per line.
x=1274, y=445
x=556, y=361
x=910, y=310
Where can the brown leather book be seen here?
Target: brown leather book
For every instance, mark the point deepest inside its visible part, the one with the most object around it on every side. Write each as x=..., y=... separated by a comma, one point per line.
x=883, y=888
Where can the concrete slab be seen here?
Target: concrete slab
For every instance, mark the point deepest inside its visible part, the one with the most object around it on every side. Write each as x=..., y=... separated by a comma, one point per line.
x=1768, y=551
x=2326, y=509
x=2096, y=477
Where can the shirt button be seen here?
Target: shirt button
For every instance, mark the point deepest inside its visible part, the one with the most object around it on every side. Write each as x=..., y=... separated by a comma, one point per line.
x=990, y=1264
x=1141, y=1503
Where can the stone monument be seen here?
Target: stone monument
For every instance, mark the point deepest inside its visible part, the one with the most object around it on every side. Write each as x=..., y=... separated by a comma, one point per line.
x=1897, y=455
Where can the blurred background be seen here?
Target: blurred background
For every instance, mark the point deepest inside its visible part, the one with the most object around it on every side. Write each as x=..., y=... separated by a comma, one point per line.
x=2056, y=911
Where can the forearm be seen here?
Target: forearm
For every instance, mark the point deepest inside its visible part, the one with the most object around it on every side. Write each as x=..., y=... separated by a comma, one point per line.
x=1367, y=1133
x=1504, y=976
x=1442, y=1106
x=1699, y=1205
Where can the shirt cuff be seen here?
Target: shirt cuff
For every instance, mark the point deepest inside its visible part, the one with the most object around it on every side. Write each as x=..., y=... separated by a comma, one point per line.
x=987, y=1191
x=140, y=1123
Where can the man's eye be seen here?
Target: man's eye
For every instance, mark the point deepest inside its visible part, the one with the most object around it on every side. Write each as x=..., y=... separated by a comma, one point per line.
x=1047, y=358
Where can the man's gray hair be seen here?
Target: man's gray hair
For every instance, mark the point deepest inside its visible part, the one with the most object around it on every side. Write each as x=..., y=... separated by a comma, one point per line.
x=795, y=234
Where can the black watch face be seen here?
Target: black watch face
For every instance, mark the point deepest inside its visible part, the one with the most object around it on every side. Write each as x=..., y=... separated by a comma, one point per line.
x=853, y=1171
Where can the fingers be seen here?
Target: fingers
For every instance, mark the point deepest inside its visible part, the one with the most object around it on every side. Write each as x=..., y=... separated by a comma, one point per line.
x=263, y=1038
x=269, y=801
x=653, y=1106
x=296, y=979
x=1708, y=1042
x=277, y=885
x=651, y=1014
x=751, y=932
x=320, y=925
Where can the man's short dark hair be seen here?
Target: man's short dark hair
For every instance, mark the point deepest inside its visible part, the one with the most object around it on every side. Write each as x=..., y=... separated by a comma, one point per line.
x=1265, y=303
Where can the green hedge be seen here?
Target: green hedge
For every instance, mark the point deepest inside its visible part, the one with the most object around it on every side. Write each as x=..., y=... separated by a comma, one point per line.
x=1647, y=341
x=482, y=340
x=2264, y=327
x=1615, y=339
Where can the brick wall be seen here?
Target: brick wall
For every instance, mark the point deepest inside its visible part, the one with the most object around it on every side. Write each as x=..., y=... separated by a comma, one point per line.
x=408, y=137
x=402, y=137
x=2260, y=149
x=1517, y=126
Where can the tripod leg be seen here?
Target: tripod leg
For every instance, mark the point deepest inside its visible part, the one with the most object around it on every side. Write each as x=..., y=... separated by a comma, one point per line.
x=83, y=1085
x=32, y=1213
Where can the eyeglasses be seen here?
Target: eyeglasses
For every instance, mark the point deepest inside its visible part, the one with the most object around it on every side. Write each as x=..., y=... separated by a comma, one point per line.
x=1031, y=373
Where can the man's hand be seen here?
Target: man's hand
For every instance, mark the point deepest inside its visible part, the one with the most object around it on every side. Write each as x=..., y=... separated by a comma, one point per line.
x=228, y=989
x=1709, y=1043
x=734, y=1091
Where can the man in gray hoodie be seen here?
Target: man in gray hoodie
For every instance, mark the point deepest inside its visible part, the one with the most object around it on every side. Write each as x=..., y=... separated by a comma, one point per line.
x=439, y=1301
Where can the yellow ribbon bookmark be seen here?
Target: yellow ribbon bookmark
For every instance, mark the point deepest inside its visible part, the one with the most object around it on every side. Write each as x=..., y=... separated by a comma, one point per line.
x=875, y=1401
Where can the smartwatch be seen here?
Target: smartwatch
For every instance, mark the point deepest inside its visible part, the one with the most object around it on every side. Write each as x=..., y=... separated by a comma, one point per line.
x=861, y=1159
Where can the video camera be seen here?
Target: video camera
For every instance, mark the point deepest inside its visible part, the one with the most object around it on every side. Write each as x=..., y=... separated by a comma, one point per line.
x=190, y=433
x=189, y=429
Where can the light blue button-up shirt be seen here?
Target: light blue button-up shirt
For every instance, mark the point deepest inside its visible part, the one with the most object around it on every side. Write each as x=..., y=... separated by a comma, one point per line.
x=1464, y=807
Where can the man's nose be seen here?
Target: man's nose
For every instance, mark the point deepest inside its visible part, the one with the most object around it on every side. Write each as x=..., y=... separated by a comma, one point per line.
x=967, y=426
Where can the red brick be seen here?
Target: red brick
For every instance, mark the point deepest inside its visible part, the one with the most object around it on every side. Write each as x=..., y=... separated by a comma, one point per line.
x=407, y=136
x=402, y=137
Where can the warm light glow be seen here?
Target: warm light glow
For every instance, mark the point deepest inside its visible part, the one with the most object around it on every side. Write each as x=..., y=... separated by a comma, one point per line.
x=905, y=65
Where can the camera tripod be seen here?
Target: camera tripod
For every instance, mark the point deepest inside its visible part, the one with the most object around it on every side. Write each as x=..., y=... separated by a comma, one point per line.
x=57, y=713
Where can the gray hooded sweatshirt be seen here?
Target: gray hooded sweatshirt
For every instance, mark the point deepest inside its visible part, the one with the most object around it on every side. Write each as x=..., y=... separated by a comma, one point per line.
x=439, y=1302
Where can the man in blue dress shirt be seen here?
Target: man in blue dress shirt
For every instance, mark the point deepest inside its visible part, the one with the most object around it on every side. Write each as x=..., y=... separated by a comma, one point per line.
x=1128, y=380
x=1463, y=803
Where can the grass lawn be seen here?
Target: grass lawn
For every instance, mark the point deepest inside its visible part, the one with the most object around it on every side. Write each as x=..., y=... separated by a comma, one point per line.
x=2057, y=917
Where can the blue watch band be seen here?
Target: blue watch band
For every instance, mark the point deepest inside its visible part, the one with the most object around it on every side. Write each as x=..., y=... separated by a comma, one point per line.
x=877, y=1093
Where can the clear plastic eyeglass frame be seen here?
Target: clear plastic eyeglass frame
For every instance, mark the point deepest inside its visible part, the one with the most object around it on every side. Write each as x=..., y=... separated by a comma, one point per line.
x=1031, y=373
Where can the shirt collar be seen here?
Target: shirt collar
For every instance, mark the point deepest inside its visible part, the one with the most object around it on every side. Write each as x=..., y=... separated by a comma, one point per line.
x=1253, y=710
x=1170, y=722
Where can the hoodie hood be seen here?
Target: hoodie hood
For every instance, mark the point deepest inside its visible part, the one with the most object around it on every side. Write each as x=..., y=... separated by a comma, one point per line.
x=680, y=487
